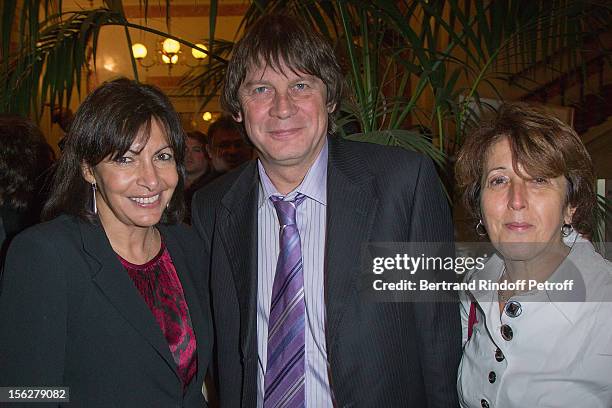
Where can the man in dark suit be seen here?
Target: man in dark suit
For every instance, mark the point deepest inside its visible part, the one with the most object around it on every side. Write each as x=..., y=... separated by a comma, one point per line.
x=284, y=234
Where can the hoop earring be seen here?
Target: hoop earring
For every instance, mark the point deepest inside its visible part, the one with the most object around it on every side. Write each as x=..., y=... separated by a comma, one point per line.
x=94, y=206
x=566, y=230
x=481, y=231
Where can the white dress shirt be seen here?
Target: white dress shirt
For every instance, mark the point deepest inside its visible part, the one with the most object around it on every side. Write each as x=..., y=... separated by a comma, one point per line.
x=560, y=351
x=311, y=222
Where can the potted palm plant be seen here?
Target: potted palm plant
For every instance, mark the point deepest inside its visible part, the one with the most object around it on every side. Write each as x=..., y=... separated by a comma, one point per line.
x=418, y=71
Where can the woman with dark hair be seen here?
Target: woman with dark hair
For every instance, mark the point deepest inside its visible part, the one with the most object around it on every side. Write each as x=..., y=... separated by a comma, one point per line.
x=537, y=327
x=24, y=158
x=108, y=297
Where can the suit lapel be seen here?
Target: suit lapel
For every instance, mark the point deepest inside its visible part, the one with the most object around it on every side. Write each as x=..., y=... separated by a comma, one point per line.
x=351, y=206
x=238, y=232
x=352, y=203
x=203, y=336
x=114, y=282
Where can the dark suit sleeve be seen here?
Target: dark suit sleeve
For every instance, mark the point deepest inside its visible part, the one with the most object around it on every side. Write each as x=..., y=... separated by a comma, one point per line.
x=437, y=323
x=197, y=208
x=33, y=314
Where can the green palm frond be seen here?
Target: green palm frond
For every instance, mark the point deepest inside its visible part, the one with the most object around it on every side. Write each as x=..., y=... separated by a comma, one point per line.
x=52, y=58
x=411, y=64
x=54, y=49
x=206, y=80
x=408, y=139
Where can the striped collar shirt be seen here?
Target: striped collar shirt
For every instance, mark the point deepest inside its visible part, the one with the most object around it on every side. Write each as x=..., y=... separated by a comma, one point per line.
x=311, y=223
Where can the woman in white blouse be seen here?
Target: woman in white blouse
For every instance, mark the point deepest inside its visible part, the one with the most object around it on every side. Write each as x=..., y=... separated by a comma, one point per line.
x=540, y=334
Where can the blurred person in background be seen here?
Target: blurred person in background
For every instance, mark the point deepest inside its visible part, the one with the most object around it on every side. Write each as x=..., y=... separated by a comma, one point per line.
x=108, y=297
x=529, y=180
x=25, y=158
x=196, y=166
x=227, y=147
x=196, y=158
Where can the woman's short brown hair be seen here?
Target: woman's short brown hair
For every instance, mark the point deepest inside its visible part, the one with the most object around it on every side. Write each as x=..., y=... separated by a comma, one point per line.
x=277, y=39
x=543, y=145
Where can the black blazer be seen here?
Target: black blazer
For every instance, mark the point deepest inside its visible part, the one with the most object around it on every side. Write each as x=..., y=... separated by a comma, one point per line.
x=380, y=354
x=71, y=316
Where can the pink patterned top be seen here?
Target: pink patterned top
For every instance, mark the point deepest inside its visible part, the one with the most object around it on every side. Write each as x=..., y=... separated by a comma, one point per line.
x=162, y=291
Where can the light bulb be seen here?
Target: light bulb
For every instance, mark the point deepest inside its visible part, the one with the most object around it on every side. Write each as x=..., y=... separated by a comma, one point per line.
x=171, y=46
x=197, y=54
x=139, y=51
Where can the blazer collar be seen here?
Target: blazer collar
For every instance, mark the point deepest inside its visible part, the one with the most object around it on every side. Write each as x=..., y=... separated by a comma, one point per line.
x=564, y=301
x=351, y=204
x=237, y=228
x=352, y=201
x=204, y=336
x=114, y=282
x=238, y=232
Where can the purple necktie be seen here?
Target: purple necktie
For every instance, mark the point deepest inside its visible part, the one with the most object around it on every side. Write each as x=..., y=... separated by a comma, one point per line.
x=284, y=379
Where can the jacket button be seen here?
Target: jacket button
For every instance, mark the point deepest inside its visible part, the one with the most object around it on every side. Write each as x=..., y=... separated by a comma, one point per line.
x=506, y=332
x=499, y=356
x=484, y=403
x=513, y=309
x=492, y=377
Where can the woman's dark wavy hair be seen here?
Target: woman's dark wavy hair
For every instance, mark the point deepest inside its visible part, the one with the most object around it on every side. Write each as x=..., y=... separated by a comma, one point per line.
x=277, y=38
x=24, y=158
x=106, y=124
